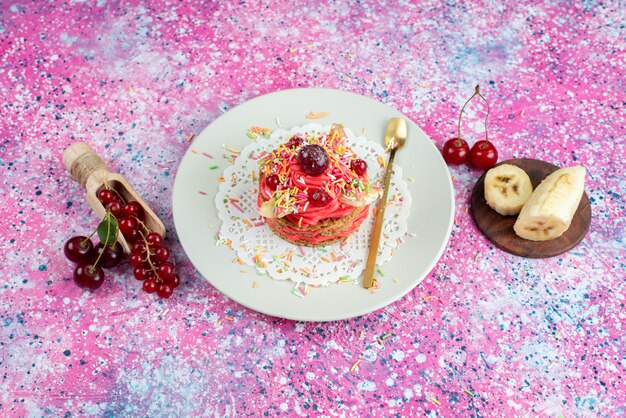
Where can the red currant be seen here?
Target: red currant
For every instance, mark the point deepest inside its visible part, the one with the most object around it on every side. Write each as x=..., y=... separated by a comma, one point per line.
x=138, y=247
x=136, y=259
x=294, y=142
x=313, y=159
x=142, y=273
x=166, y=271
x=154, y=239
x=150, y=286
x=127, y=225
x=272, y=181
x=78, y=249
x=111, y=255
x=161, y=254
x=359, y=166
x=131, y=209
x=88, y=276
x=106, y=196
x=174, y=281
x=165, y=290
x=133, y=236
x=319, y=198
x=115, y=208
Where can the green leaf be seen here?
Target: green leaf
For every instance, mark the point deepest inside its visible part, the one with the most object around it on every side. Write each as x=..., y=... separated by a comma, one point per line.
x=108, y=229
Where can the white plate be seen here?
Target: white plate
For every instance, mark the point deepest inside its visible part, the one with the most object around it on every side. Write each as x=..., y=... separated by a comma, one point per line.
x=195, y=213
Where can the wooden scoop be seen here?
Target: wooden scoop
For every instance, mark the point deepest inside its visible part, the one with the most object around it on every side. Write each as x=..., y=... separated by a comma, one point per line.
x=87, y=168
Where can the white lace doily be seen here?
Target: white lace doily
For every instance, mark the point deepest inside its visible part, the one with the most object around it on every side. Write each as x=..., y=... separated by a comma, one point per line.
x=256, y=245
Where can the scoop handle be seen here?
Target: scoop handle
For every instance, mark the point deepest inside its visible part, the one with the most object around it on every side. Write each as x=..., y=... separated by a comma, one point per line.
x=82, y=161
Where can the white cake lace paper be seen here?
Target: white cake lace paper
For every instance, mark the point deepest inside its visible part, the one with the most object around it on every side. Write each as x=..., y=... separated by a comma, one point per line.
x=256, y=245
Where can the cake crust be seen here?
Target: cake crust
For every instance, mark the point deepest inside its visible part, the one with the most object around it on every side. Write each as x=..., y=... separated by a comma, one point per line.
x=327, y=231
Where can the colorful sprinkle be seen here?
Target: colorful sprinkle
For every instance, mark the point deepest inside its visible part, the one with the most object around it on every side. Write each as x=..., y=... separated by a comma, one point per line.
x=435, y=401
x=236, y=206
x=313, y=115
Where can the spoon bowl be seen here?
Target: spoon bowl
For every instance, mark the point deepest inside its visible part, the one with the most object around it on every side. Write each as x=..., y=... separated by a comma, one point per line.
x=395, y=136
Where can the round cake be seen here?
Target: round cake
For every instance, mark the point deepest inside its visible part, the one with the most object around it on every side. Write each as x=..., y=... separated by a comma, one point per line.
x=313, y=189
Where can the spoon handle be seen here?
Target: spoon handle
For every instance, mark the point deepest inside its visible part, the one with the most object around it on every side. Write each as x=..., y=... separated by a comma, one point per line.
x=368, y=276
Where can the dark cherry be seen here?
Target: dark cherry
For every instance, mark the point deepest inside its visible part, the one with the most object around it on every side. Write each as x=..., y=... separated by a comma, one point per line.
x=165, y=290
x=78, y=249
x=319, y=197
x=136, y=259
x=112, y=255
x=359, y=166
x=131, y=209
x=88, y=276
x=115, y=208
x=106, y=196
x=161, y=254
x=166, y=271
x=150, y=286
x=294, y=142
x=313, y=159
x=455, y=151
x=154, y=239
x=272, y=181
x=127, y=225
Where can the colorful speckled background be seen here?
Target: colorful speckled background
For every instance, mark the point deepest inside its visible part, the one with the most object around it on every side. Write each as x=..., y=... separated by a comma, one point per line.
x=485, y=334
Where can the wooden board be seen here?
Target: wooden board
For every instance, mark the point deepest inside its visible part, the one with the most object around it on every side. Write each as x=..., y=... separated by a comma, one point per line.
x=499, y=229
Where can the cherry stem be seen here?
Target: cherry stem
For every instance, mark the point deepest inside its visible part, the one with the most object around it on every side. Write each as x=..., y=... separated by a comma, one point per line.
x=148, y=258
x=93, y=266
x=83, y=242
x=487, y=115
x=143, y=225
x=476, y=93
x=119, y=195
x=94, y=232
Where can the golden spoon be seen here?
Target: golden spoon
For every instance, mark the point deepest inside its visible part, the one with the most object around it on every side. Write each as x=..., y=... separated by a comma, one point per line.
x=395, y=137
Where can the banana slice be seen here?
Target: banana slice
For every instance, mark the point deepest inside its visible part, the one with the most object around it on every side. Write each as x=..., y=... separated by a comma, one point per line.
x=549, y=211
x=507, y=188
x=267, y=208
x=371, y=196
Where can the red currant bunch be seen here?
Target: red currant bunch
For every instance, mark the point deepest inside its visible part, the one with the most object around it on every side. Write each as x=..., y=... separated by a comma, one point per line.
x=152, y=265
x=149, y=257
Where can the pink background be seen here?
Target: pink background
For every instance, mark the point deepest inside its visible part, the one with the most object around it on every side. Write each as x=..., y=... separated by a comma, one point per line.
x=485, y=334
